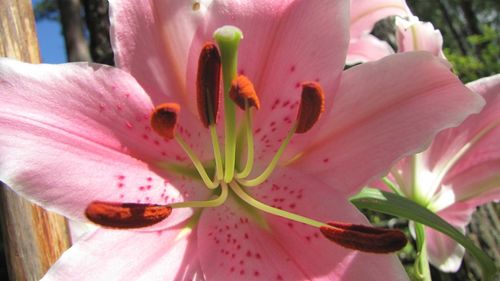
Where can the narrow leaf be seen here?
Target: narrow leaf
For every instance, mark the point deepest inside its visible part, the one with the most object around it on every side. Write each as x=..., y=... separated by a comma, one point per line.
x=393, y=204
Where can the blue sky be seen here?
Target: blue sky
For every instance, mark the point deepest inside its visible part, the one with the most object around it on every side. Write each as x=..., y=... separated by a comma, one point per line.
x=51, y=41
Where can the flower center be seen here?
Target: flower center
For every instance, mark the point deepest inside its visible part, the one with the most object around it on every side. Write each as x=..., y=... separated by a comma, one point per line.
x=239, y=93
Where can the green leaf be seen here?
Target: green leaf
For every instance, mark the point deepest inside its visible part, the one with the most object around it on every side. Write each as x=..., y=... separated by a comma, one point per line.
x=393, y=204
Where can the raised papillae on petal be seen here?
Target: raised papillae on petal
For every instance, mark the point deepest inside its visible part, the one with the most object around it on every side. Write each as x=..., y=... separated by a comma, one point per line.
x=242, y=91
x=365, y=238
x=312, y=104
x=164, y=119
x=126, y=215
x=208, y=84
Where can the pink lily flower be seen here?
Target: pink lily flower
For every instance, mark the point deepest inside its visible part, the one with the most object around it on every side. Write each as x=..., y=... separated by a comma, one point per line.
x=415, y=35
x=363, y=46
x=457, y=173
x=454, y=175
x=80, y=139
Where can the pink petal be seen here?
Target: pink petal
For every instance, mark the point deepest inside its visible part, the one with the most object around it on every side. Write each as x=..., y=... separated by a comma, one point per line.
x=414, y=35
x=127, y=255
x=279, y=51
x=365, y=13
x=385, y=110
x=444, y=252
x=79, y=229
x=367, y=48
x=74, y=133
x=139, y=47
x=476, y=172
x=243, y=243
x=280, y=45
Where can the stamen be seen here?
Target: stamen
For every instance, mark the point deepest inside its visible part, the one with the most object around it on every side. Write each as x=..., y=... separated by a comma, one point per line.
x=364, y=238
x=163, y=122
x=164, y=119
x=274, y=162
x=243, y=92
x=228, y=39
x=312, y=104
x=219, y=172
x=126, y=215
x=250, y=149
x=197, y=163
x=352, y=236
x=204, y=204
x=271, y=210
x=207, y=97
x=208, y=83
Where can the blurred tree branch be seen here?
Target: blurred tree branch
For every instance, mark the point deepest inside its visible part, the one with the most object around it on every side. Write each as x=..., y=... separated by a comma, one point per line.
x=97, y=18
x=72, y=26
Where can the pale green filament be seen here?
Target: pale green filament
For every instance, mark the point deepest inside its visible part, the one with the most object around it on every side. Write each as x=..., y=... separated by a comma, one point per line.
x=250, y=153
x=197, y=163
x=270, y=168
x=228, y=39
x=392, y=186
x=399, y=180
x=204, y=204
x=219, y=173
x=271, y=210
x=416, y=194
x=422, y=269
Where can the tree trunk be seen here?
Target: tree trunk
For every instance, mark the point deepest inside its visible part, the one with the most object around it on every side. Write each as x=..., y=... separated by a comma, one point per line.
x=97, y=18
x=72, y=25
x=461, y=44
x=470, y=17
x=34, y=239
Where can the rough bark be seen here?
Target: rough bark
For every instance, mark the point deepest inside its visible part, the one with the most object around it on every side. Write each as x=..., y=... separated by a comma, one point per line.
x=33, y=238
x=72, y=26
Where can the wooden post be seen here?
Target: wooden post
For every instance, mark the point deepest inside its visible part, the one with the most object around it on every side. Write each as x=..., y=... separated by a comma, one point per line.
x=34, y=238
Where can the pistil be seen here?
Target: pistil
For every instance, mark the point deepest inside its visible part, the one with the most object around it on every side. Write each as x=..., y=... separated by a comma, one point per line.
x=228, y=39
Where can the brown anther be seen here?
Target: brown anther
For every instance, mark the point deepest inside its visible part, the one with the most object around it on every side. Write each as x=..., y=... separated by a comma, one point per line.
x=126, y=215
x=242, y=90
x=312, y=104
x=164, y=119
x=365, y=238
x=208, y=84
